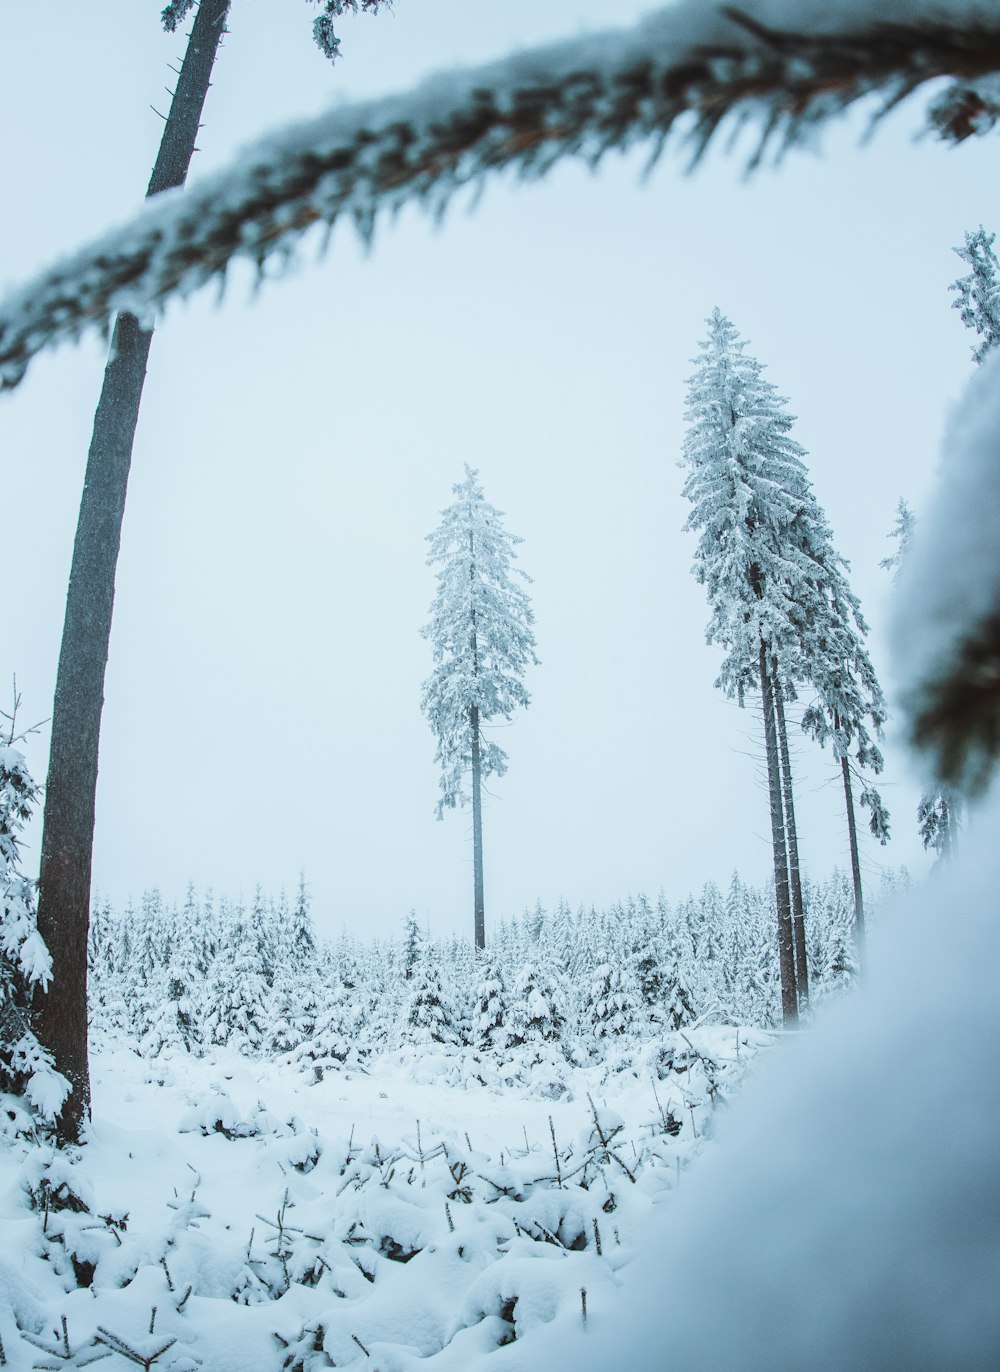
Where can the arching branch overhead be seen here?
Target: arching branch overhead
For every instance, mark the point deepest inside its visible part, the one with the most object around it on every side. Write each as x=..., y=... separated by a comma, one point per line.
x=684, y=71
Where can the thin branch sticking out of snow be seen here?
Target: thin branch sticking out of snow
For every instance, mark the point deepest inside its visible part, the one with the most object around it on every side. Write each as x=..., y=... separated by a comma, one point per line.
x=692, y=64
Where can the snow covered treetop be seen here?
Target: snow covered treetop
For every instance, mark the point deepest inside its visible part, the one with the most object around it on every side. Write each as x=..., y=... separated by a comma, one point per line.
x=481, y=633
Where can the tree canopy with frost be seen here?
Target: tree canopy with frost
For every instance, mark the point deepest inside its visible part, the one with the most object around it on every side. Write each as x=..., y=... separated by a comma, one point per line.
x=481, y=634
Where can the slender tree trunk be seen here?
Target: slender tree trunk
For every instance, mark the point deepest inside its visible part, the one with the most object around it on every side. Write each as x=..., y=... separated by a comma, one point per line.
x=950, y=826
x=477, y=831
x=68, y=826
x=852, y=838
x=786, y=954
x=794, y=872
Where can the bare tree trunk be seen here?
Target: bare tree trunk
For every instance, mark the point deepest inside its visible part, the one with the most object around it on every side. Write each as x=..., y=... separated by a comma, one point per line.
x=68, y=826
x=794, y=872
x=852, y=838
x=477, y=831
x=786, y=954
x=950, y=815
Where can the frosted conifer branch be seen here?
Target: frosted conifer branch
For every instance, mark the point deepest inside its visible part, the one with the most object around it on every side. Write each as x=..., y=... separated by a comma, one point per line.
x=966, y=108
x=326, y=40
x=692, y=65
x=947, y=631
x=175, y=13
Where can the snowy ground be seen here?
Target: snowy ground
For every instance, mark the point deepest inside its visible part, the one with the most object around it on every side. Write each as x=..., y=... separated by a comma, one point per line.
x=382, y=1218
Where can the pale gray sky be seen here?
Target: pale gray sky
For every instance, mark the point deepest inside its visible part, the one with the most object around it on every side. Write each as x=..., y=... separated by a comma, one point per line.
x=294, y=449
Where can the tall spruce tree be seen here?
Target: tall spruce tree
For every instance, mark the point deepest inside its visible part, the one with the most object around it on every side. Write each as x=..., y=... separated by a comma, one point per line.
x=777, y=584
x=749, y=493
x=481, y=634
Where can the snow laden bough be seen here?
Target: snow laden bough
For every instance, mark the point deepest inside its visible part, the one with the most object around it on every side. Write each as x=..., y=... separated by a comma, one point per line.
x=685, y=71
x=947, y=628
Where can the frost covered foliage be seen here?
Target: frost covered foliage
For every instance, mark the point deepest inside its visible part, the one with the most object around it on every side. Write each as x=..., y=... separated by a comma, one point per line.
x=327, y=41
x=684, y=71
x=175, y=13
x=902, y=532
x=978, y=300
x=551, y=988
x=765, y=550
x=947, y=624
x=480, y=631
x=947, y=628
x=26, y=1069
x=323, y=32
x=753, y=511
x=776, y=585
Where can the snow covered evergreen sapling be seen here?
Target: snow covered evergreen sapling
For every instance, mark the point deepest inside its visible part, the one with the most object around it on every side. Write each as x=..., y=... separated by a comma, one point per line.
x=481, y=634
x=492, y=1008
x=427, y=1017
x=26, y=1068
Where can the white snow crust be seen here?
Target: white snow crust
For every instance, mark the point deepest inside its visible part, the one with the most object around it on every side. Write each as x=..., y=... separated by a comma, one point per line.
x=849, y=1216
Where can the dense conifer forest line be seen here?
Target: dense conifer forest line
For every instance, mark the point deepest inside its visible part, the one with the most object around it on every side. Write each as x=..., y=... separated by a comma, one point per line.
x=252, y=974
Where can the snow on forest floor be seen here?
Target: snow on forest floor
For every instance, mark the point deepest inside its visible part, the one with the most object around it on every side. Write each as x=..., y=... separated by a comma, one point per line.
x=381, y=1218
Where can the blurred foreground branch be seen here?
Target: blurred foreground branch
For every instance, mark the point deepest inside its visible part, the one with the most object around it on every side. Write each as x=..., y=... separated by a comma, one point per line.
x=684, y=71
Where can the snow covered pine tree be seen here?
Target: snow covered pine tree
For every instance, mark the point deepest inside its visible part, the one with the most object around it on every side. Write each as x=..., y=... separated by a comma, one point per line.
x=737, y=451
x=481, y=634
x=781, y=604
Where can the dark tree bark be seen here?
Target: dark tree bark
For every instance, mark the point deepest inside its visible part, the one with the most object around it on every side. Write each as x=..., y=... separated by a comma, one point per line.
x=786, y=954
x=950, y=836
x=794, y=871
x=478, y=901
x=852, y=838
x=68, y=826
x=477, y=832
x=852, y=841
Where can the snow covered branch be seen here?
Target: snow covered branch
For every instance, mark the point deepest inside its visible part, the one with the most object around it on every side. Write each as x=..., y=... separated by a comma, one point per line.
x=947, y=633
x=685, y=70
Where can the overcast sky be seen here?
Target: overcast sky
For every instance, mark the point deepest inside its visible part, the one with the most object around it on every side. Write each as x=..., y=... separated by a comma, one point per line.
x=296, y=447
